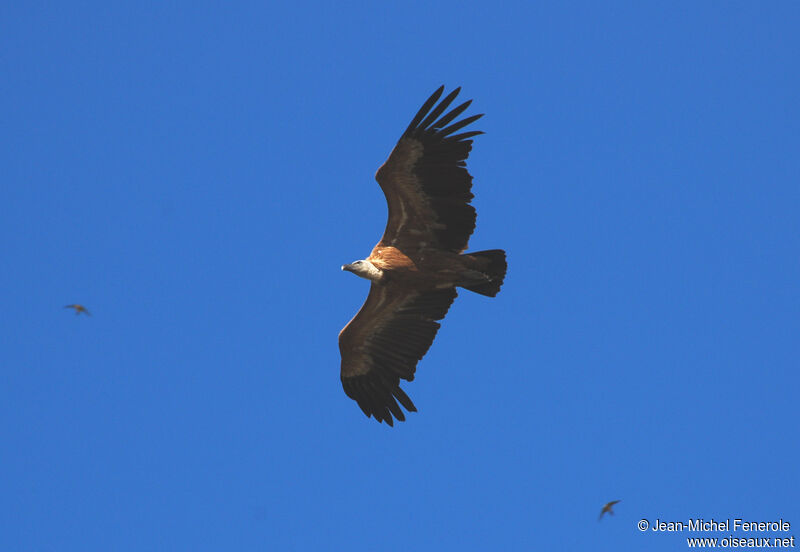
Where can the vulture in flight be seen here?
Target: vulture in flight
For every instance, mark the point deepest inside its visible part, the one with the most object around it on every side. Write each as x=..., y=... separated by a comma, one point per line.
x=420, y=261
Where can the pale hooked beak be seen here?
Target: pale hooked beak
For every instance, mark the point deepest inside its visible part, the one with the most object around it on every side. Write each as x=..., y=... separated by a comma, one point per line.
x=347, y=267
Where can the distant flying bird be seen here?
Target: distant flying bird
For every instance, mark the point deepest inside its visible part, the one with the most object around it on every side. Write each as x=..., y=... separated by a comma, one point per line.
x=607, y=508
x=415, y=268
x=78, y=309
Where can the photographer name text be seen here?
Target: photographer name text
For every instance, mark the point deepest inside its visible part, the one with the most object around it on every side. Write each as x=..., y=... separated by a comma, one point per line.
x=726, y=525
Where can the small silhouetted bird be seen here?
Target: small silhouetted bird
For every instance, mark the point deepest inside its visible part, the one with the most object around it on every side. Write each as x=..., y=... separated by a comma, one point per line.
x=78, y=309
x=607, y=508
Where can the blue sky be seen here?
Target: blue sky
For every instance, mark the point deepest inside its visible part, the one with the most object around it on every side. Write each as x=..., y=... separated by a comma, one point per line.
x=197, y=173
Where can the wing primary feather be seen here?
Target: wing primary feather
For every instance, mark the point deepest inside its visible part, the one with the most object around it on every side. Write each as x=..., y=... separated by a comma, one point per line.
x=372, y=404
x=377, y=399
x=386, y=415
x=395, y=409
x=354, y=390
x=363, y=408
x=439, y=109
x=459, y=125
x=384, y=400
x=403, y=398
x=464, y=135
x=424, y=109
x=456, y=111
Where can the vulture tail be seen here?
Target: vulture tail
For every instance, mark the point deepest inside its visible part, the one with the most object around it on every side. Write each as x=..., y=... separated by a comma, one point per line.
x=492, y=270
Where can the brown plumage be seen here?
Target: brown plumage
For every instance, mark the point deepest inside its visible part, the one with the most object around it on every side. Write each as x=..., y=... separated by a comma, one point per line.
x=78, y=309
x=419, y=262
x=607, y=508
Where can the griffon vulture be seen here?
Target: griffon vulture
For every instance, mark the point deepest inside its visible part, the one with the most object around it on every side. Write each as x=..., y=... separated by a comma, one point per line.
x=418, y=264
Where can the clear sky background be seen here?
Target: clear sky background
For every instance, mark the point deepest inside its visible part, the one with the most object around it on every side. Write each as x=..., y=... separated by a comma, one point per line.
x=197, y=173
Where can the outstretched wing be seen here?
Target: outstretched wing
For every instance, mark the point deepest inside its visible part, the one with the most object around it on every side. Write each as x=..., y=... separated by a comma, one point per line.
x=426, y=183
x=383, y=343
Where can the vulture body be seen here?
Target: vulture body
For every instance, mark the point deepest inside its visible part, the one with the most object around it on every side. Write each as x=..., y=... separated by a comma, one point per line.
x=418, y=264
